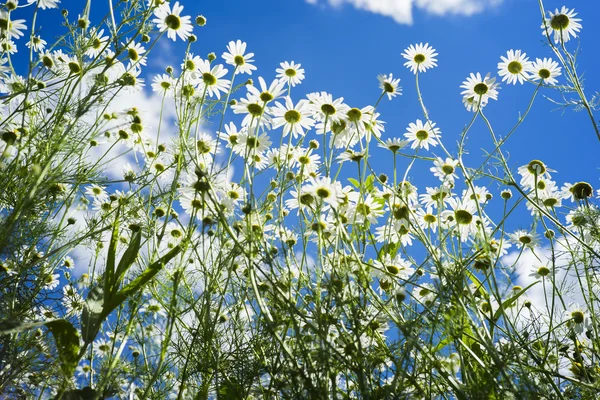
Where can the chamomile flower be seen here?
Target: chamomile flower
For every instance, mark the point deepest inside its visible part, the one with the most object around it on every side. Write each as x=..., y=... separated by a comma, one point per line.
x=211, y=79
x=154, y=308
x=422, y=135
x=540, y=271
x=420, y=57
x=389, y=85
x=394, y=144
x=8, y=46
x=37, y=43
x=362, y=209
x=131, y=82
x=51, y=281
x=546, y=70
x=134, y=52
x=576, y=317
x=97, y=44
x=96, y=192
x=231, y=135
x=102, y=347
x=323, y=107
x=522, y=238
x=462, y=217
x=533, y=172
x=479, y=194
x=44, y=4
x=435, y=196
x=325, y=190
x=266, y=94
x=11, y=28
x=479, y=89
x=290, y=73
x=562, y=24
x=294, y=119
x=169, y=20
x=251, y=144
x=164, y=84
x=424, y=294
x=235, y=56
x=515, y=67
x=396, y=267
x=577, y=191
x=256, y=112
x=427, y=219
x=445, y=170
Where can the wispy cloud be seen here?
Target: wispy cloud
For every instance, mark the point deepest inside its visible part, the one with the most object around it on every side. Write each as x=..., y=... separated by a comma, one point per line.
x=402, y=10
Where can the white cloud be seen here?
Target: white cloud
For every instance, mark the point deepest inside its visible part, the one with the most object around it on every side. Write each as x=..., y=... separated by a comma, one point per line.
x=402, y=10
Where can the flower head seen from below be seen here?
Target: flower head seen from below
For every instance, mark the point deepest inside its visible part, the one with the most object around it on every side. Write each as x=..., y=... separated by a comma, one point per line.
x=422, y=135
x=169, y=19
x=420, y=57
x=235, y=56
x=389, y=85
x=515, y=67
x=290, y=73
x=11, y=28
x=478, y=90
x=293, y=119
x=562, y=24
x=546, y=70
x=211, y=79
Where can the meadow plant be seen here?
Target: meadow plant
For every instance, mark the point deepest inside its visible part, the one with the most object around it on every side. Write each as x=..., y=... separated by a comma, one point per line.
x=231, y=238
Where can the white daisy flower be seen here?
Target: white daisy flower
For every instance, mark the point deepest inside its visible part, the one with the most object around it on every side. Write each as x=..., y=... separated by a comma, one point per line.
x=97, y=44
x=51, y=281
x=102, y=347
x=479, y=90
x=422, y=135
x=257, y=113
x=97, y=192
x=235, y=56
x=290, y=73
x=293, y=119
x=164, y=84
x=562, y=24
x=37, y=43
x=533, y=172
x=154, y=308
x=435, y=196
x=389, y=85
x=134, y=52
x=267, y=94
x=169, y=20
x=11, y=28
x=325, y=190
x=462, y=217
x=445, y=170
x=427, y=219
x=420, y=57
x=522, y=238
x=44, y=4
x=211, y=79
x=363, y=208
x=394, y=144
x=251, y=144
x=231, y=135
x=576, y=317
x=323, y=107
x=515, y=67
x=545, y=69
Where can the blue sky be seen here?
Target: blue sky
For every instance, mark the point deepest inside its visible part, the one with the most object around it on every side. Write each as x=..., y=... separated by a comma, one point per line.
x=343, y=49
